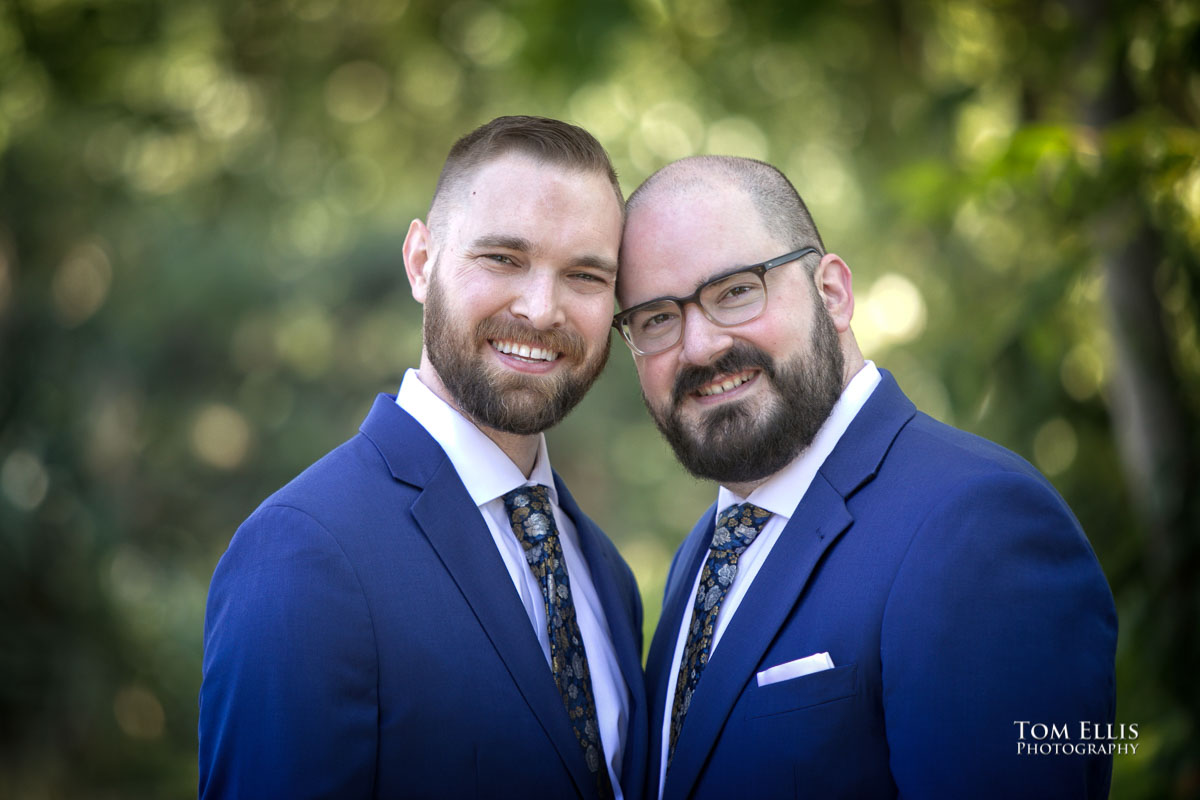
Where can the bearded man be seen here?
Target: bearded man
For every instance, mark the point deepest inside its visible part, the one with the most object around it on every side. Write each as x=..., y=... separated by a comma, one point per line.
x=425, y=612
x=877, y=605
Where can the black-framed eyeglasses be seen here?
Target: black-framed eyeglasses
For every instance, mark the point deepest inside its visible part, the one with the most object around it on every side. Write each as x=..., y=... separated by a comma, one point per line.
x=738, y=296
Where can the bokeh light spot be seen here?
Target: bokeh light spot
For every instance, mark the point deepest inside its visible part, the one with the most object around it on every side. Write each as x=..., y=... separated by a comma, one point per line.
x=605, y=109
x=671, y=130
x=985, y=128
x=705, y=18
x=220, y=436
x=304, y=339
x=226, y=108
x=161, y=163
x=431, y=79
x=24, y=480
x=895, y=308
x=737, y=136
x=139, y=713
x=81, y=283
x=357, y=91
x=1055, y=446
x=1082, y=372
x=23, y=93
x=490, y=37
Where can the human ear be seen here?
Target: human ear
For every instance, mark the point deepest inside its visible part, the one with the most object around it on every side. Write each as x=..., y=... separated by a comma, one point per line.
x=417, y=246
x=834, y=285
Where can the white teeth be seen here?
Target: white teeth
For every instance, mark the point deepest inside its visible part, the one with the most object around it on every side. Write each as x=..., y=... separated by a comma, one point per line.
x=723, y=386
x=525, y=351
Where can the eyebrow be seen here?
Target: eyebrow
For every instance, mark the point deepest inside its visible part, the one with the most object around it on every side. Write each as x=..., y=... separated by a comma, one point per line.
x=522, y=245
x=519, y=243
x=716, y=276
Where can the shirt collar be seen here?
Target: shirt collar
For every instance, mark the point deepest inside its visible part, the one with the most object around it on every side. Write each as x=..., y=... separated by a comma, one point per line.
x=783, y=491
x=486, y=472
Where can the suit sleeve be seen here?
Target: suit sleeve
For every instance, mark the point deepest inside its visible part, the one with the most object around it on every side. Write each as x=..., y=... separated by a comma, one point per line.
x=999, y=614
x=288, y=703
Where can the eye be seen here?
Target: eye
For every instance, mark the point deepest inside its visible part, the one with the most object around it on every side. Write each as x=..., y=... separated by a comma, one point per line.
x=656, y=321
x=499, y=258
x=739, y=292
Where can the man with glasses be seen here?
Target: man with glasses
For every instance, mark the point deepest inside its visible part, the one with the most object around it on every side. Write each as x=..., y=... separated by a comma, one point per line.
x=877, y=605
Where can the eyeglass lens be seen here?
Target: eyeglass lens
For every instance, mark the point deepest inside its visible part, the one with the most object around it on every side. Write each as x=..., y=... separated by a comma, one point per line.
x=731, y=300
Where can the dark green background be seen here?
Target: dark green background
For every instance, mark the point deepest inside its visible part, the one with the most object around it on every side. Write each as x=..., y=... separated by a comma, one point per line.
x=201, y=291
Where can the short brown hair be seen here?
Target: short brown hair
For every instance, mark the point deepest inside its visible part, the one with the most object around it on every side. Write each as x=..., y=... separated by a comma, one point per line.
x=546, y=141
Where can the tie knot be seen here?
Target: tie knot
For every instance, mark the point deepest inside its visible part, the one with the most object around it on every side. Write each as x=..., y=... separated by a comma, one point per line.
x=529, y=512
x=738, y=525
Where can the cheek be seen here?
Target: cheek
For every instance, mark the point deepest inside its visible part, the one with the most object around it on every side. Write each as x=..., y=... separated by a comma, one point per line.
x=592, y=316
x=657, y=376
x=479, y=297
x=778, y=336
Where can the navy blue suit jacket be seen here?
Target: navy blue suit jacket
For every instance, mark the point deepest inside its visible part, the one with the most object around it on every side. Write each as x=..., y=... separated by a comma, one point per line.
x=956, y=595
x=363, y=640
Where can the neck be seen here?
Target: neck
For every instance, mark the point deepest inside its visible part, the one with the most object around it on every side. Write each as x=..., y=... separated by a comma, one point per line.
x=521, y=449
x=852, y=359
x=743, y=490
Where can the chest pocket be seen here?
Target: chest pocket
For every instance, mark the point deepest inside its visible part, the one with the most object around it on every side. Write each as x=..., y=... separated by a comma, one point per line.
x=794, y=694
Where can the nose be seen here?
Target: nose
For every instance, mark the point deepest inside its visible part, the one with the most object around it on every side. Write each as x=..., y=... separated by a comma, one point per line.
x=538, y=302
x=702, y=341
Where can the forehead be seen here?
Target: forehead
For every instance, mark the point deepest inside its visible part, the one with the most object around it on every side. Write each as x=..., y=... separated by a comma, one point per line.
x=675, y=241
x=516, y=194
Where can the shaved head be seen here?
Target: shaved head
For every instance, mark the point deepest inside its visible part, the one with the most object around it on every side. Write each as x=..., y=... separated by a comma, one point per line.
x=777, y=202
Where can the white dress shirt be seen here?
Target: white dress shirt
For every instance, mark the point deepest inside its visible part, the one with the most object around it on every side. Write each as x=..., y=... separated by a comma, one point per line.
x=779, y=494
x=488, y=474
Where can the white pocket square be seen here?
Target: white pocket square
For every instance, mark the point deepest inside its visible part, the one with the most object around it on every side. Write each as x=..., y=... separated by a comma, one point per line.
x=794, y=669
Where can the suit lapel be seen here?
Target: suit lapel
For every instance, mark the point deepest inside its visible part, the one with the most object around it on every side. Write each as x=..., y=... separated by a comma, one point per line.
x=820, y=519
x=451, y=522
x=624, y=638
x=676, y=601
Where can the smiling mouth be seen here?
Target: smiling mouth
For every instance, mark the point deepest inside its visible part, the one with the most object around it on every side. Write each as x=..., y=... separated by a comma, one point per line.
x=726, y=384
x=525, y=351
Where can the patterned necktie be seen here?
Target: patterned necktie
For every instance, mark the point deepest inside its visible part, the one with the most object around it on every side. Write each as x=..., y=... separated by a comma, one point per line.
x=532, y=520
x=736, y=528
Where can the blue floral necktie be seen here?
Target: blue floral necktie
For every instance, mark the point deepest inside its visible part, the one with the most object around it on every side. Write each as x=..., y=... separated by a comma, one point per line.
x=736, y=528
x=532, y=520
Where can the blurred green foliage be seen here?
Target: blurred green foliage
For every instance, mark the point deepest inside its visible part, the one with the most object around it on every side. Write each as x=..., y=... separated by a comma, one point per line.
x=201, y=290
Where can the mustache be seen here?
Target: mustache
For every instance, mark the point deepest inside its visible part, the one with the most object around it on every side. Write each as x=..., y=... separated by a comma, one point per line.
x=567, y=342
x=740, y=357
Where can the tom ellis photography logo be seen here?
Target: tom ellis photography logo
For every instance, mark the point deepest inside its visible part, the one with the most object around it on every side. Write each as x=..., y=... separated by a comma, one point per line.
x=1079, y=739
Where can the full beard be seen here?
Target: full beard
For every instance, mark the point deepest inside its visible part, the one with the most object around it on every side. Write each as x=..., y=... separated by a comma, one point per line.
x=504, y=400
x=729, y=444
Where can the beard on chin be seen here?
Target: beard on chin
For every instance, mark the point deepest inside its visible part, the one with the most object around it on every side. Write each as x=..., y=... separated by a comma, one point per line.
x=507, y=401
x=730, y=444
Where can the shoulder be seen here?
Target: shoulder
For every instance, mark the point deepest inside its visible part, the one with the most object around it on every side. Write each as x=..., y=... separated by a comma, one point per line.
x=926, y=438
x=354, y=487
x=936, y=466
x=986, y=516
